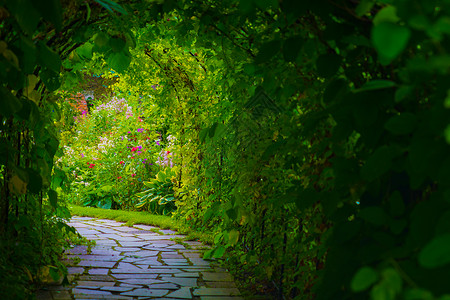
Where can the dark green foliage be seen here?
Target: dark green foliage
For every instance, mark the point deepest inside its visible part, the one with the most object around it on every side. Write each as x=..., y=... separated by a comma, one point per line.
x=337, y=187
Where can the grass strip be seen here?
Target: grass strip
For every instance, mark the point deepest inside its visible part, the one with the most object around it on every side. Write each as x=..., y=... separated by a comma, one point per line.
x=141, y=217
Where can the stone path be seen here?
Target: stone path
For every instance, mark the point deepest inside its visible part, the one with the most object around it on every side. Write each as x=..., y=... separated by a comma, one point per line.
x=139, y=263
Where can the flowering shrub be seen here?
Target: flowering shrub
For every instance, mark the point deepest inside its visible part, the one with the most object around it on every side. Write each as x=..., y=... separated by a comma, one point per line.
x=109, y=153
x=165, y=157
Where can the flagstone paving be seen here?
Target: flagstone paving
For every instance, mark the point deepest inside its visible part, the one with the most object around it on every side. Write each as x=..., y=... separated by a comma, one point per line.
x=138, y=263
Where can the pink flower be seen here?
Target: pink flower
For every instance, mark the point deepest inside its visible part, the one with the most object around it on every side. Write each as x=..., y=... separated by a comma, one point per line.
x=134, y=149
x=133, y=175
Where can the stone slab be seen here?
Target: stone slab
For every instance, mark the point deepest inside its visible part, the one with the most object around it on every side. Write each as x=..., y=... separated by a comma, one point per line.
x=75, y=270
x=182, y=293
x=189, y=282
x=188, y=274
x=95, y=283
x=96, y=263
x=131, y=276
x=144, y=227
x=119, y=289
x=96, y=278
x=220, y=284
x=210, y=276
x=204, y=291
x=140, y=281
x=146, y=293
x=98, y=271
x=79, y=291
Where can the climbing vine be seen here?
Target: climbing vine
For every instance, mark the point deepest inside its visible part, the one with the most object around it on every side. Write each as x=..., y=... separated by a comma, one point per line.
x=311, y=138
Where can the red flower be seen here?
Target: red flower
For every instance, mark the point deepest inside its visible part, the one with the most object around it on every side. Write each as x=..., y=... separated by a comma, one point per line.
x=133, y=149
x=121, y=162
x=91, y=166
x=119, y=177
x=168, y=152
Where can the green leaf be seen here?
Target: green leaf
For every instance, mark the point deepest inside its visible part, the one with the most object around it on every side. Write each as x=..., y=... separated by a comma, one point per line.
x=266, y=4
x=335, y=90
x=363, y=279
x=418, y=294
x=219, y=252
x=85, y=50
x=268, y=51
x=51, y=10
x=53, y=198
x=25, y=14
x=374, y=214
x=403, y=92
x=378, y=164
x=306, y=198
x=376, y=85
x=54, y=273
x=436, y=253
x=101, y=39
x=232, y=213
x=390, y=40
x=364, y=7
x=111, y=5
x=208, y=254
x=29, y=57
x=49, y=58
x=328, y=64
x=117, y=44
x=249, y=69
x=52, y=145
x=291, y=48
x=9, y=104
x=389, y=287
x=386, y=14
x=397, y=226
x=212, y=130
x=218, y=237
x=396, y=204
x=212, y=211
x=34, y=181
x=233, y=237
x=50, y=79
x=401, y=124
x=107, y=205
x=119, y=61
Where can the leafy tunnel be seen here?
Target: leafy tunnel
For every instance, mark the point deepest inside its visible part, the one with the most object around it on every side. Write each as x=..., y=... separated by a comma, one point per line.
x=309, y=139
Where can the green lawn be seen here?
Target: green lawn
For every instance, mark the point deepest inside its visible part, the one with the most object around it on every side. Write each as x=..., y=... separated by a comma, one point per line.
x=138, y=217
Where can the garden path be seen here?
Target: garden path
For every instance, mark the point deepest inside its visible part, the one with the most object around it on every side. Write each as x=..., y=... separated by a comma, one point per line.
x=139, y=262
